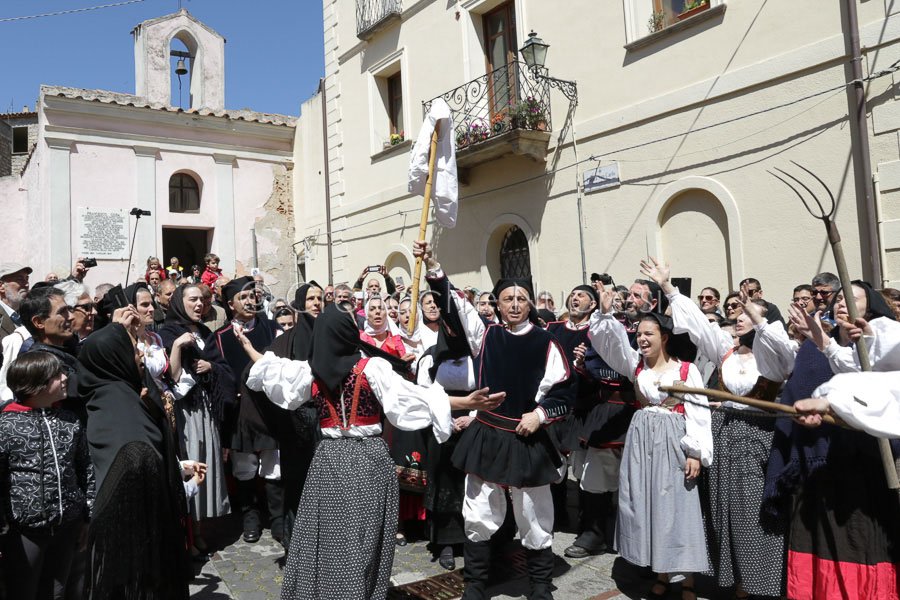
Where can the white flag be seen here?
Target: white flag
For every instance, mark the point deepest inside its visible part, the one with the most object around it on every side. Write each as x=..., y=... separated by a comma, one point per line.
x=445, y=188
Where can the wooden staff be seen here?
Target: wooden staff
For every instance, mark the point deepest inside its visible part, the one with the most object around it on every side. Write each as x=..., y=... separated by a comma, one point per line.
x=423, y=226
x=826, y=215
x=762, y=404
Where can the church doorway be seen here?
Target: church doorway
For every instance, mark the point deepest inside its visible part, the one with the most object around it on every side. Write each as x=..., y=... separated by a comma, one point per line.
x=189, y=245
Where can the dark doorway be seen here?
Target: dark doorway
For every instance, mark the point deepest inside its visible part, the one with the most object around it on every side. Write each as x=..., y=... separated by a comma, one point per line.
x=189, y=245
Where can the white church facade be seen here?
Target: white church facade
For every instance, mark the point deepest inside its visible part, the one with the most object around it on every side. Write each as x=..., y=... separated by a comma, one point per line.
x=212, y=180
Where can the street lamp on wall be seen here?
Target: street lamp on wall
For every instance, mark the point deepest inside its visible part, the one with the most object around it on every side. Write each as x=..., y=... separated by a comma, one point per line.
x=535, y=54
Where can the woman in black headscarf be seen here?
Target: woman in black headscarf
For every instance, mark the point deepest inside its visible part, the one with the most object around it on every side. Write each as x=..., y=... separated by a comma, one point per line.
x=136, y=543
x=297, y=431
x=201, y=396
x=348, y=510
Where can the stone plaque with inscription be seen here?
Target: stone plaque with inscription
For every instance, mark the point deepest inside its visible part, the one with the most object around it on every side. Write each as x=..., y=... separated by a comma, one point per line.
x=102, y=233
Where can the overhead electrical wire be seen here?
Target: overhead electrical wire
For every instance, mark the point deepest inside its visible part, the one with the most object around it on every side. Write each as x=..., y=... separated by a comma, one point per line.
x=69, y=11
x=611, y=155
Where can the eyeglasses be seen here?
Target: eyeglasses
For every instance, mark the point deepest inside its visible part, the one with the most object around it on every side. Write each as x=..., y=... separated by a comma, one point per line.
x=823, y=292
x=708, y=298
x=87, y=307
x=732, y=305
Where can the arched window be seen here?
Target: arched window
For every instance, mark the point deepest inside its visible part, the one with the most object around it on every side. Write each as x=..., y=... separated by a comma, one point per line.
x=184, y=193
x=515, y=260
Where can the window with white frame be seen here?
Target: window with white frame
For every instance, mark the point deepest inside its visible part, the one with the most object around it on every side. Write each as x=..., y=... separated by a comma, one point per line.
x=645, y=17
x=386, y=106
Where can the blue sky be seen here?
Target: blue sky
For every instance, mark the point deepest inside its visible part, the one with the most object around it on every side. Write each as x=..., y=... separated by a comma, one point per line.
x=273, y=53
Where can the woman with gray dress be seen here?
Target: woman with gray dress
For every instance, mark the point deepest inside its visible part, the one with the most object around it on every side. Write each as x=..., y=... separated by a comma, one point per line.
x=204, y=388
x=659, y=522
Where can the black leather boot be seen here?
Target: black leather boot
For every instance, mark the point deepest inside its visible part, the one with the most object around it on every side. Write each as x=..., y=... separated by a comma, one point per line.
x=477, y=556
x=540, y=573
x=250, y=511
x=275, y=503
x=591, y=536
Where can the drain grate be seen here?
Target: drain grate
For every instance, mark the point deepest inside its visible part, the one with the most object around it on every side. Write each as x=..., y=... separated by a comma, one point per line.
x=445, y=586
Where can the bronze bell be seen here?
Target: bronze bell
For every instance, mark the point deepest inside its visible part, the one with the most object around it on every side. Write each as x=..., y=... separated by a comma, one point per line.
x=180, y=69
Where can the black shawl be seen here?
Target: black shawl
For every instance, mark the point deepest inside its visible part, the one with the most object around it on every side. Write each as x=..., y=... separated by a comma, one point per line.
x=452, y=342
x=219, y=382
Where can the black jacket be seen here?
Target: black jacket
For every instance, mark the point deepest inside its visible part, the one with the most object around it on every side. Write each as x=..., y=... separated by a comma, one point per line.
x=46, y=476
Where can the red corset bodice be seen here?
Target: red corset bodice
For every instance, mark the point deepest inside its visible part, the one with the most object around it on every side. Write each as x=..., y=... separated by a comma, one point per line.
x=357, y=404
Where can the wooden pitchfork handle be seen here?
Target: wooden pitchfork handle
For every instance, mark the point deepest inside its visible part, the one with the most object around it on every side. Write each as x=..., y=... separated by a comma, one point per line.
x=761, y=404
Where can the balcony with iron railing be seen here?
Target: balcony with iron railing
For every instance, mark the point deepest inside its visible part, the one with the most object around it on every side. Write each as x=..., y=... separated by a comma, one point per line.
x=374, y=15
x=506, y=111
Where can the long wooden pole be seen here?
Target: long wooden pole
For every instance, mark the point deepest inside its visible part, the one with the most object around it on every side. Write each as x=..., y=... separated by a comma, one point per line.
x=762, y=404
x=884, y=447
x=423, y=226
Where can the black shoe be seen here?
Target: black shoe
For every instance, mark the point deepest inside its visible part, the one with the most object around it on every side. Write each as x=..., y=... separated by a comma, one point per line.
x=446, y=559
x=400, y=540
x=252, y=526
x=574, y=551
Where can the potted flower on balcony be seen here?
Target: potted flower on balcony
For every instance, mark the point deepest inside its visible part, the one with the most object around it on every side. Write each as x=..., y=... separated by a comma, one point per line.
x=397, y=138
x=499, y=122
x=529, y=114
x=478, y=131
x=691, y=8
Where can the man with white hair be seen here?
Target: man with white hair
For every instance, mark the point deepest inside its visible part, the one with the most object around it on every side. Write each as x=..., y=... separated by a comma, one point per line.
x=13, y=288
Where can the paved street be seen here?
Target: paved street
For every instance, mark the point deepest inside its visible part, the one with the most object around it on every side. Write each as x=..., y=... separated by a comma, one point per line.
x=244, y=571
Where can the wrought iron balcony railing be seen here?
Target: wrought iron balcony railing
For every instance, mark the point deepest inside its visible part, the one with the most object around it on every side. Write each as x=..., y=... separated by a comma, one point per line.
x=507, y=99
x=371, y=15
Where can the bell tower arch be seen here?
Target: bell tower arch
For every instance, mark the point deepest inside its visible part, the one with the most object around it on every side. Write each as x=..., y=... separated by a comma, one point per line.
x=164, y=44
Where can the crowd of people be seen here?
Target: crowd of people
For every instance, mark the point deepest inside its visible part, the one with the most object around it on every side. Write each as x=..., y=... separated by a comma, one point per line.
x=349, y=417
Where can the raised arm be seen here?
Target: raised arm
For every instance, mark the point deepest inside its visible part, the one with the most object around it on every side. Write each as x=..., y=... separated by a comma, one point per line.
x=609, y=339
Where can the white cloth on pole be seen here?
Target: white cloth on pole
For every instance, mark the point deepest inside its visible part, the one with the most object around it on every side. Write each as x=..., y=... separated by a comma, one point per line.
x=445, y=188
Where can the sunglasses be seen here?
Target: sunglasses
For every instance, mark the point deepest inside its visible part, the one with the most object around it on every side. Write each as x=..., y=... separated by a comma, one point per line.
x=708, y=298
x=823, y=292
x=732, y=305
x=86, y=307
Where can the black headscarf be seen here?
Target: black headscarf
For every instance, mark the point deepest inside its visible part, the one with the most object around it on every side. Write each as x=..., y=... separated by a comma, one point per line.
x=177, y=313
x=302, y=332
x=132, y=290
x=877, y=305
x=335, y=347
x=110, y=383
x=679, y=345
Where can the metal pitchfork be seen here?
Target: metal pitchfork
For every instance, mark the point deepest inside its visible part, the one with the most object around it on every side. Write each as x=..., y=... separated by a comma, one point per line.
x=834, y=238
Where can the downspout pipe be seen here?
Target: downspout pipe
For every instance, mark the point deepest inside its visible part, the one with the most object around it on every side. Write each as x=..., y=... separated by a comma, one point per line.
x=862, y=158
x=327, y=172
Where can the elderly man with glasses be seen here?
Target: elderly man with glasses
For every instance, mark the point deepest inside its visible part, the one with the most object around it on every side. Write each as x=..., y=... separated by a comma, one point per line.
x=825, y=285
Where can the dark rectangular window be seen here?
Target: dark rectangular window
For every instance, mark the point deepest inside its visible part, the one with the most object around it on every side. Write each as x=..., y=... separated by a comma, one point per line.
x=20, y=140
x=395, y=103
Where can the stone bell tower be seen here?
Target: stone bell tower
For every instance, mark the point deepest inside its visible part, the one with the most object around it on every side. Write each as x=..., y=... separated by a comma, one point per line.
x=157, y=55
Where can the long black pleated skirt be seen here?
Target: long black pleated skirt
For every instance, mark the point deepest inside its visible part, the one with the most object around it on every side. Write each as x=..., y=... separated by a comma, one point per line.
x=343, y=542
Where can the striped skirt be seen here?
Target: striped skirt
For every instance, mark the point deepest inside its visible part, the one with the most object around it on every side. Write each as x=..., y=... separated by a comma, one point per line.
x=343, y=542
x=660, y=524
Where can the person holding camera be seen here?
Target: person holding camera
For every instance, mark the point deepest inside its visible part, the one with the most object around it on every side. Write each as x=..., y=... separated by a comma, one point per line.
x=373, y=286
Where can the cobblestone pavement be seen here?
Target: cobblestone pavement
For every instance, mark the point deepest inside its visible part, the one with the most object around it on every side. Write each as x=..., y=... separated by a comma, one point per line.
x=242, y=571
